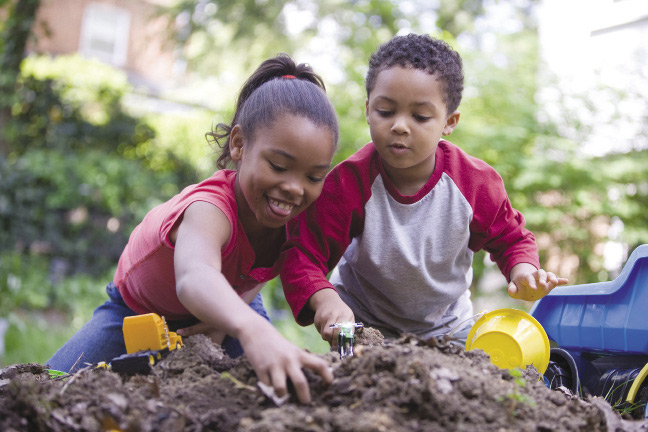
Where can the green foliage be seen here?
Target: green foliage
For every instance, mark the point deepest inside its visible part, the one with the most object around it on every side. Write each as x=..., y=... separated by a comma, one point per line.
x=59, y=109
x=32, y=337
x=183, y=136
x=23, y=282
x=31, y=282
x=82, y=172
x=79, y=207
x=281, y=316
x=43, y=313
x=198, y=26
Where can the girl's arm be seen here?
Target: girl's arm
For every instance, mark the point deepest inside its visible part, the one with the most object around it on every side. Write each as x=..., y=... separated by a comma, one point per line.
x=215, y=334
x=204, y=291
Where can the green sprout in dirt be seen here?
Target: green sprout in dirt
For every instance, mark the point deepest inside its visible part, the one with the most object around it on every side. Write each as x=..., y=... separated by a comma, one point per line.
x=623, y=407
x=516, y=397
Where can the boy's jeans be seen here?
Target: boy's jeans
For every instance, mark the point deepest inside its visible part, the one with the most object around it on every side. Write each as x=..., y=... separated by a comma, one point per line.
x=102, y=339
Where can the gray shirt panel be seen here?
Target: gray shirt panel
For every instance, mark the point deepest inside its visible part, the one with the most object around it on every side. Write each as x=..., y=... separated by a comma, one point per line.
x=411, y=269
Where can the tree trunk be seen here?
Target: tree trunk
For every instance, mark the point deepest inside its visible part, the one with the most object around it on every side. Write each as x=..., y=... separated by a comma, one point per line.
x=17, y=29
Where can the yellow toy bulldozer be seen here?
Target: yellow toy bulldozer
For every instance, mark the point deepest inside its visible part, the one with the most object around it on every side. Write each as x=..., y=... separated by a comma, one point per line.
x=147, y=339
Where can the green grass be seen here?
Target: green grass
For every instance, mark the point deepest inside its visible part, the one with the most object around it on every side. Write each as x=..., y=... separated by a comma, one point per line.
x=32, y=337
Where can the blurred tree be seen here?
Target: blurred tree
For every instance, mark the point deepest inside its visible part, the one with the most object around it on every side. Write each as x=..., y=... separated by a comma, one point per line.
x=16, y=29
x=565, y=201
x=214, y=35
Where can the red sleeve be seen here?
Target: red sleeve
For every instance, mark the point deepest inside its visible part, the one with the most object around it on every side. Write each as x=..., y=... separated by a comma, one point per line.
x=496, y=226
x=318, y=237
x=503, y=235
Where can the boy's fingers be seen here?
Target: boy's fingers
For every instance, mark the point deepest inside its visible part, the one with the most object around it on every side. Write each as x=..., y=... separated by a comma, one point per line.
x=512, y=289
x=542, y=277
x=327, y=331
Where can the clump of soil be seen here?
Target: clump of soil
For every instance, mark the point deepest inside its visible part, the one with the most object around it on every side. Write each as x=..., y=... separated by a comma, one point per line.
x=403, y=385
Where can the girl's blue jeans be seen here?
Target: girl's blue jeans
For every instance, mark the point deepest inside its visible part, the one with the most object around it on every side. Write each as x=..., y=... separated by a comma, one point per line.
x=102, y=339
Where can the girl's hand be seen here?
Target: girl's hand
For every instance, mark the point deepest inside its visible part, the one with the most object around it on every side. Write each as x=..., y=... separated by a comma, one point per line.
x=528, y=283
x=329, y=309
x=215, y=334
x=275, y=360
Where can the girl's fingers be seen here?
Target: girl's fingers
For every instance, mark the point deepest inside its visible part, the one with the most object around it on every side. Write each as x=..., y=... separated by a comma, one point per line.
x=300, y=383
x=319, y=366
x=264, y=377
x=278, y=381
x=199, y=328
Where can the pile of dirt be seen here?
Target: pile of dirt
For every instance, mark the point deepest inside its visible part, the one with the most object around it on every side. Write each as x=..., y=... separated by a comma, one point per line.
x=403, y=385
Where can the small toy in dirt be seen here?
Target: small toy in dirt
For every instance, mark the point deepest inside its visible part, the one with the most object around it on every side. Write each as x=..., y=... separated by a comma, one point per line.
x=601, y=333
x=346, y=337
x=147, y=339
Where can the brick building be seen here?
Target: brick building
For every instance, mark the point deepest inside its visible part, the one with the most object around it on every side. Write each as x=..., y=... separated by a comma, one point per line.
x=124, y=33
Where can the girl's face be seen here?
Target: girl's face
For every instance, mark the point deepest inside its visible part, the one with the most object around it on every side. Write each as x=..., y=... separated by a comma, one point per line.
x=281, y=169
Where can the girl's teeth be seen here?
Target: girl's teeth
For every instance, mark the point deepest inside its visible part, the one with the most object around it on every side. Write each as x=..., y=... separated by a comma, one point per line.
x=282, y=206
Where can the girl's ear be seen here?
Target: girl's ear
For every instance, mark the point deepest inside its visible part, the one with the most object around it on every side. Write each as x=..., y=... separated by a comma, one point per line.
x=451, y=123
x=236, y=143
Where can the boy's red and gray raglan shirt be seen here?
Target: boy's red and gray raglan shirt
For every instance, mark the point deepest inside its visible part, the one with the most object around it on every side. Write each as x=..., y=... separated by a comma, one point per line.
x=403, y=264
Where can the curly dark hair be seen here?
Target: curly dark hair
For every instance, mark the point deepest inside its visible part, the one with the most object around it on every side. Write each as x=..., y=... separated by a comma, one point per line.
x=421, y=52
x=277, y=87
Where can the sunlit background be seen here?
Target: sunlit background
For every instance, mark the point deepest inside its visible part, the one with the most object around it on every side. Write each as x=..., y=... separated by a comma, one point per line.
x=104, y=105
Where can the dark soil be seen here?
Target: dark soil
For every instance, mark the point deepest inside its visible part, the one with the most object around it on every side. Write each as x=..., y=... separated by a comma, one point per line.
x=403, y=385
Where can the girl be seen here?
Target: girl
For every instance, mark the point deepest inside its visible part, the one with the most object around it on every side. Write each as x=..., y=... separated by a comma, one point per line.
x=201, y=258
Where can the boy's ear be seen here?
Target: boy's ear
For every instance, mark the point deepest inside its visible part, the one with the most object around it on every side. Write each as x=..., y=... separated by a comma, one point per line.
x=367, y=110
x=236, y=143
x=451, y=123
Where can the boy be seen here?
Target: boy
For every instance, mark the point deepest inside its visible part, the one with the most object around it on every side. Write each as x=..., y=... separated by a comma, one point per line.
x=401, y=218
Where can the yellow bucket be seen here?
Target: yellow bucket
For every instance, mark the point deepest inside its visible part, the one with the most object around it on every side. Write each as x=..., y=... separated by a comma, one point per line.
x=512, y=338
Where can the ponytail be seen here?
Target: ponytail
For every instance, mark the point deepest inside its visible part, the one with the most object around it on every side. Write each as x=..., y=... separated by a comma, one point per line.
x=278, y=86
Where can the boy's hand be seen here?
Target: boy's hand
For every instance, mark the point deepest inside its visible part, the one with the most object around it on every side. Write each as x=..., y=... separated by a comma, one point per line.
x=530, y=284
x=275, y=360
x=329, y=309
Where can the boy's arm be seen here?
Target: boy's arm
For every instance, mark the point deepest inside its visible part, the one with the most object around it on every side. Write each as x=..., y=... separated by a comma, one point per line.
x=329, y=309
x=316, y=240
x=501, y=232
x=496, y=226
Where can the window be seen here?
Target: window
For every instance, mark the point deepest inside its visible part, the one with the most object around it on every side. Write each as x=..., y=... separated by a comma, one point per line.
x=104, y=33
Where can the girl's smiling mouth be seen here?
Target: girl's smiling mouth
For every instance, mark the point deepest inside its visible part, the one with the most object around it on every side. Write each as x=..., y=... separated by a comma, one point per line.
x=280, y=208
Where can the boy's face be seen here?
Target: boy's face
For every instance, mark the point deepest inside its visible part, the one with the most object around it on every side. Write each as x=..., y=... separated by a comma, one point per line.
x=407, y=116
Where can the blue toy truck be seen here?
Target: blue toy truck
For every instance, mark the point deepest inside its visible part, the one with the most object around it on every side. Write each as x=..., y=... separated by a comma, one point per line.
x=599, y=334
